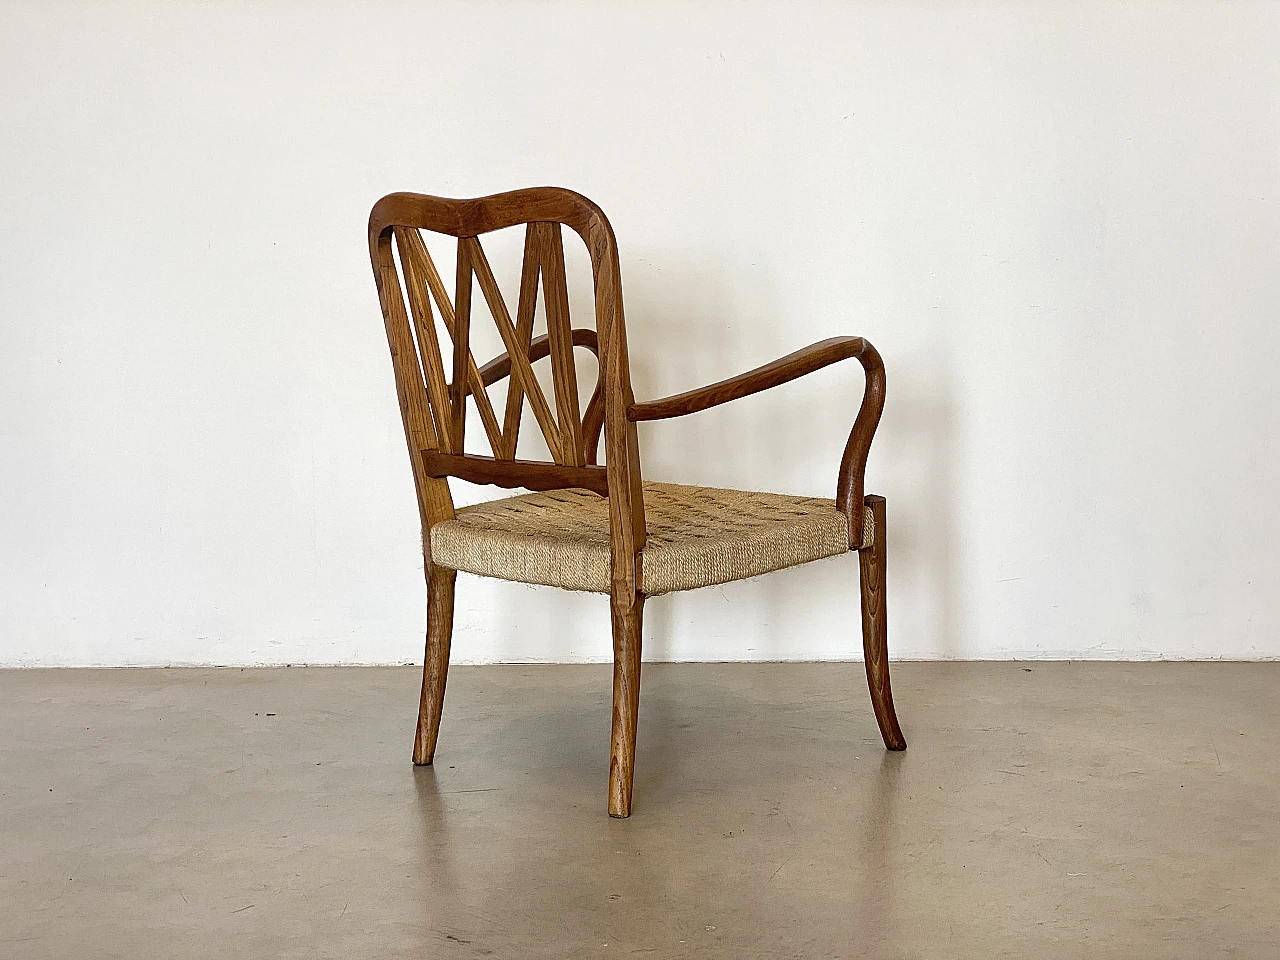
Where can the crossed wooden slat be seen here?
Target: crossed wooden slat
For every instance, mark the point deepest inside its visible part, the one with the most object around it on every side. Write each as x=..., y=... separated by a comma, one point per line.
x=543, y=257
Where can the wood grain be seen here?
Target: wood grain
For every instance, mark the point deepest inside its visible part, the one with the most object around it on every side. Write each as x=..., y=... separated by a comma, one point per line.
x=853, y=465
x=461, y=349
x=780, y=371
x=626, y=614
x=440, y=586
x=521, y=369
x=526, y=308
x=472, y=218
x=875, y=628
x=412, y=265
x=531, y=474
x=434, y=500
x=555, y=292
x=539, y=348
x=593, y=425
x=626, y=493
x=423, y=262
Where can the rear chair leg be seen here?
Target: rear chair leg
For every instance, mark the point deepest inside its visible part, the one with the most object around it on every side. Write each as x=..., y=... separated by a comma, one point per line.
x=875, y=628
x=626, y=614
x=435, y=670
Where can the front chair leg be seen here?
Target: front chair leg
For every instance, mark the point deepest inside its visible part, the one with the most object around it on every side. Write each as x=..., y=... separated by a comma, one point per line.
x=435, y=670
x=875, y=628
x=626, y=612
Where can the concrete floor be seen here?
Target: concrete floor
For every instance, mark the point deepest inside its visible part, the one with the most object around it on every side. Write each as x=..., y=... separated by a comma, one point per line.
x=1042, y=810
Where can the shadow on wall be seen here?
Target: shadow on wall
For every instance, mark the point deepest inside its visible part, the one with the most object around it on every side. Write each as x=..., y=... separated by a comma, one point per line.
x=688, y=326
x=918, y=461
x=790, y=439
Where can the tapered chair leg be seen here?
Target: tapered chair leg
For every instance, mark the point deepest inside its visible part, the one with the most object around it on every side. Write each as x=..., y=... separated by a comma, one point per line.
x=435, y=670
x=626, y=614
x=875, y=628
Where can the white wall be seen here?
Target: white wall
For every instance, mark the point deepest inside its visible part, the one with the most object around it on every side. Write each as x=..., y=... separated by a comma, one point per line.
x=1058, y=222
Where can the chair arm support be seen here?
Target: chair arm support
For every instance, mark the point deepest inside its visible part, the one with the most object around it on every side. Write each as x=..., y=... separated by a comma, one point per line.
x=850, y=491
x=849, y=485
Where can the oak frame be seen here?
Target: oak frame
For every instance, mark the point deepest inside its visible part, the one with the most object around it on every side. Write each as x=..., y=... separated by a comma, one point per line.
x=433, y=410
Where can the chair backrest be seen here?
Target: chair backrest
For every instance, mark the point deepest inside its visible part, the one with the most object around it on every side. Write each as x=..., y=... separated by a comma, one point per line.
x=433, y=405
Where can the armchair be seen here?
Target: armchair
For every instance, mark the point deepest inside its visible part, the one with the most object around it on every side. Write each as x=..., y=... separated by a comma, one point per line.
x=588, y=526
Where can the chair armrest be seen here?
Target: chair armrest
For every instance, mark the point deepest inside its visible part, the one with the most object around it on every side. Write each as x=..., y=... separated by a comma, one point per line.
x=780, y=371
x=849, y=485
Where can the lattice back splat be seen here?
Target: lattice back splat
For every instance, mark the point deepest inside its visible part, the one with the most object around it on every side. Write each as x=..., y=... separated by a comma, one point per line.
x=434, y=400
x=543, y=261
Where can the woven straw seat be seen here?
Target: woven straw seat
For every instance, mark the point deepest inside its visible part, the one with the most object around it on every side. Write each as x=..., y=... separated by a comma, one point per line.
x=697, y=537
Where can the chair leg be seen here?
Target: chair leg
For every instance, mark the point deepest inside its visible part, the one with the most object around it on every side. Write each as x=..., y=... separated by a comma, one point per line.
x=435, y=670
x=875, y=629
x=626, y=614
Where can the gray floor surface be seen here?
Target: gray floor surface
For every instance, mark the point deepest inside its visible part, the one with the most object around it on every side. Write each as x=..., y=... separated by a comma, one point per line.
x=1041, y=811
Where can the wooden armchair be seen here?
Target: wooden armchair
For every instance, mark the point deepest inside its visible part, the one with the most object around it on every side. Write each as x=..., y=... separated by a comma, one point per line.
x=587, y=526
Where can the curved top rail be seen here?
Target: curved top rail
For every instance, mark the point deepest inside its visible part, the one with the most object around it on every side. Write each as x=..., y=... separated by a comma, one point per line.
x=471, y=218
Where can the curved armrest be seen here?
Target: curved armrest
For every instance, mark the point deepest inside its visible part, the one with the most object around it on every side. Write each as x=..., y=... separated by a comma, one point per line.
x=791, y=367
x=849, y=485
